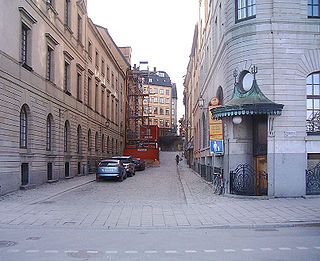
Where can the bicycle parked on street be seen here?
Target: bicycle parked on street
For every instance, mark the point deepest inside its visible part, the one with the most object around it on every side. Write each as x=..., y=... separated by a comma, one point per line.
x=218, y=183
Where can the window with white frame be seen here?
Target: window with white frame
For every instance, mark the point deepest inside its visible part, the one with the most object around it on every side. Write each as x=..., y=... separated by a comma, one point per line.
x=23, y=127
x=161, y=91
x=49, y=133
x=79, y=28
x=167, y=92
x=66, y=77
x=67, y=14
x=245, y=9
x=79, y=86
x=161, y=100
x=314, y=8
x=167, y=100
x=49, y=63
x=313, y=103
x=155, y=99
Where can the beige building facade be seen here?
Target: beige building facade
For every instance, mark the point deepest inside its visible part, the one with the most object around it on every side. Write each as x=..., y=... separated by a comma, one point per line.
x=62, y=84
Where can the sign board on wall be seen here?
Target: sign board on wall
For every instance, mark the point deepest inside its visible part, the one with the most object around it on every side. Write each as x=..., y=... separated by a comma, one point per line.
x=215, y=129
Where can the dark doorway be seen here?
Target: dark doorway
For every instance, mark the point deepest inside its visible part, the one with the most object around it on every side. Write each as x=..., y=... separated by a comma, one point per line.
x=66, y=169
x=79, y=168
x=24, y=174
x=260, y=153
x=49, y=171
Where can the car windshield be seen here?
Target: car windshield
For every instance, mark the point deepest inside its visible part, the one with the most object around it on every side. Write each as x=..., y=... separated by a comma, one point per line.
x=108, y=164
x=125, y=160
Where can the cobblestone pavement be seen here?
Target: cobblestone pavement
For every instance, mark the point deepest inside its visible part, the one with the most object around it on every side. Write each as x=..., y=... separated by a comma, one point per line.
x=167, y=196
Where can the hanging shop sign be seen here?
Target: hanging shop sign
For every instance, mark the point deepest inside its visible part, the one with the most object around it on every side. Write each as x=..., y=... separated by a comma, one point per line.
x=215, y=129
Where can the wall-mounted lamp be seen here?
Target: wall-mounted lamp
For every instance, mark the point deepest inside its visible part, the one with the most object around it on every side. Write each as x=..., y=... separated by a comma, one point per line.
x=237, y=120
x=108, y=123
x=201, y=102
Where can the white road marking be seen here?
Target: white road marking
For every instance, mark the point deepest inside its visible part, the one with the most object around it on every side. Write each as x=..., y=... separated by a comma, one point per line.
x=71, y=251
x=51, y=251
x=266, y=249
x=150, y=251
x=302, y=248
x=111, y=252
x=229, y=250
x=131, y=252
x=32, y=251
x=13, y=250
x=317, y=247
x=92, y=252
x=170, y=251
x=284, y=248
x=210, y=251
x=191, y=251
x=247, y=249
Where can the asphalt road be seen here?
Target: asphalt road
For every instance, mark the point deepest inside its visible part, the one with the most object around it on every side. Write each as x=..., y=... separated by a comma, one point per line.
x=302, y=243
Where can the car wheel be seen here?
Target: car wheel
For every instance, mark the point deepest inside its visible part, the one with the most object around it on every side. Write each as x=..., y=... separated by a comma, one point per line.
x=121, y=178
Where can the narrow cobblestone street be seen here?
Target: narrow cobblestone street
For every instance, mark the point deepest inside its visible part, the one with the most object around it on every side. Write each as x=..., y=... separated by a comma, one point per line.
x=167, y=196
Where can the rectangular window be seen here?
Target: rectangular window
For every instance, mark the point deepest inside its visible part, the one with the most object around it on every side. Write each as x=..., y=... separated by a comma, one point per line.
x=150, y=99
x=108, y=74
x=96, y=98
x=150, y=109
x=161, y=100
x=167, y=92
x=79, y=28
x=167, y=100
x=79, y=86
x=66, y=77
x=25, y=48
x=150, y=90
x=155, y=99
x=90, y=50
x=49, y=64
x=112, y=80
x=67, y=13
x=155, y=90
x=314, y=8
x=102, y=67
x=167, y=111
x=155, y=110
x=161, y=91
x=245, y=9
x=89, y=92
x=102, y=102
x=97, y=59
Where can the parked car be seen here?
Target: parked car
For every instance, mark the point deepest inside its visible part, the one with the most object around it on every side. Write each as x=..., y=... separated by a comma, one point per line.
x=139, y=164
x=111, y=168
x=127, y=163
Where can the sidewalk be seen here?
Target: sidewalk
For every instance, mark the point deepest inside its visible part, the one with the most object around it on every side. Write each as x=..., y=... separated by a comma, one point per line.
x=195, y=206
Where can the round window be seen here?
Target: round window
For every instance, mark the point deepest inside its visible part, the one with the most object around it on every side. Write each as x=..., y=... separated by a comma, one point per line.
x=246, y=81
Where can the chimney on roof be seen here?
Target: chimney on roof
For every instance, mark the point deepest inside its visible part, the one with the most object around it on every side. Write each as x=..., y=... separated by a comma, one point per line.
x=154, y=69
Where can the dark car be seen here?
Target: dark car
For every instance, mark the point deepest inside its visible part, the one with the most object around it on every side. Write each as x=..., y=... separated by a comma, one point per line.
x=139, y=164
x=127, y=163
x=111, y=168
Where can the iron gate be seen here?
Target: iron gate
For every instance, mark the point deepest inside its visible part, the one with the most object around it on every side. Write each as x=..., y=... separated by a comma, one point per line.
x=313, y=180
x=242, y=180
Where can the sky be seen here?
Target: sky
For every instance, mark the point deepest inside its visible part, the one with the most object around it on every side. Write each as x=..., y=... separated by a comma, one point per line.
x=158, y=31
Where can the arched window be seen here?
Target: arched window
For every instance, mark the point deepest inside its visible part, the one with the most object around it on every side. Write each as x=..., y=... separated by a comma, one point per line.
x=49, y=133
x=23, y=127
x=66, y=136
x=313, y=103
x=89, y=139
x=220, y=95
x=102, y=143
x=79, y=136
x=108, y=144
x=96, y=141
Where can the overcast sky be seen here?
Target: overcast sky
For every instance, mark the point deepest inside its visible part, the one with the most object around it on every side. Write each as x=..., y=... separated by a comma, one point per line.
x=159, y=31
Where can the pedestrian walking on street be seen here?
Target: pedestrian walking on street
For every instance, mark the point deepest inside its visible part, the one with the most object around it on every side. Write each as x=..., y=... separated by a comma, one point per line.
x=177, y=159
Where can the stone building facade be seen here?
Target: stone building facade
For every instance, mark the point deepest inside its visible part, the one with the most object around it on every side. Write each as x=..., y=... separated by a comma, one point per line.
x=282, y=38
x=62, y=87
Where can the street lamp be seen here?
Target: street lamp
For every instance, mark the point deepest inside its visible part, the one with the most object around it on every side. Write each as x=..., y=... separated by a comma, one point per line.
x=201, y=102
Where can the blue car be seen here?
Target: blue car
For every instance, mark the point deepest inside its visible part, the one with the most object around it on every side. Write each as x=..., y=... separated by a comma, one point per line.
x=111, y=168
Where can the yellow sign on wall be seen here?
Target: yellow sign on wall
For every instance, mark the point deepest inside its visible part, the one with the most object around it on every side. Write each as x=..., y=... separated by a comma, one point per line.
x=215, y=126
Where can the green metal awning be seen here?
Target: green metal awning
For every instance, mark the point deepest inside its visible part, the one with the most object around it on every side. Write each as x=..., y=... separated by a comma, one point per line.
x=251, y=102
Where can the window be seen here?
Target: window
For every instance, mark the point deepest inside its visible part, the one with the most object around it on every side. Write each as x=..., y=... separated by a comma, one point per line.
x=108, y=144
x=89, y=92
x=79, y=134
x=66, y=136
x=150, y=80
x=102, y=143
x=167, y=92
x=155, y=99
x=314, y=8
x=161, y=100
x=79, y=28
x=96, y=142
x=150, y=109
x=155, y=110
x=150, y=99
x=67, y=10
x=112, y=146
x=25, y=44
x=155, y=90
x=150, y=90
x=108, y=73
x=161, y=91
x=49, y=133
x=90, y=50
x=161, y=74
x=161, y=123
x=161, y=111
x=66, y=77
x=167, y=123
x=96, y=98
x=155, y=121
x=313, y=103
x=49, y=63
x=23, y=127
x=102, y=67
x=79, y=86
x=102, y=103
x=167, y=111
x=112, y=80
x=97, y=59
x=89, y=140
x=167, y=100
x=245, y=9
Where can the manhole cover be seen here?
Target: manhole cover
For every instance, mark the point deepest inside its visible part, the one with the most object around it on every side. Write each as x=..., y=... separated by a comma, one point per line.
x=33, y=238
x=85, y=254
x=7, y=243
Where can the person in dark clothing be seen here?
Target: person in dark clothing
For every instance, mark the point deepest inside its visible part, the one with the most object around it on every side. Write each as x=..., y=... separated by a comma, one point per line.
x=177, y=159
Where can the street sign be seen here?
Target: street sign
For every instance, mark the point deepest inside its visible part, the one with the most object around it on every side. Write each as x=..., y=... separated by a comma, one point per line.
x=216, y=146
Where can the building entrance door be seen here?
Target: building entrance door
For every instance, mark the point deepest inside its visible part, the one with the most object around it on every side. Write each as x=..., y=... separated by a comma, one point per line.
x=260, y=154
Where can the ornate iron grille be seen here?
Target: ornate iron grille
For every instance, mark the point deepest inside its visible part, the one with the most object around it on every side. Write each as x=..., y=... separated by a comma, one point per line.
x=243, y=180
x=313, y=124
x=313, y=180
